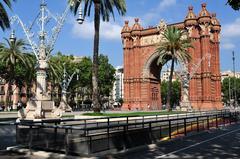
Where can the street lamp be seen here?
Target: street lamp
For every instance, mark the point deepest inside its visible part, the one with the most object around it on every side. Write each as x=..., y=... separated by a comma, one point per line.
x=80, y=18
x=12, y=37
x=65, y=84
x=235, y=93
x=40, y=46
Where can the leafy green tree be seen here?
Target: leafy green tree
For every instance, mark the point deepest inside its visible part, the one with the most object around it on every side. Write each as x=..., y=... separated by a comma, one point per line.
x=13, y=57
x=104, y=9
x=176, y=95
x=106, y=77
x=83, y=86
x=29, y=74
x=55, y=73
x=174, y=47
x=235, y=4
x=4, y=20
x=225, y=89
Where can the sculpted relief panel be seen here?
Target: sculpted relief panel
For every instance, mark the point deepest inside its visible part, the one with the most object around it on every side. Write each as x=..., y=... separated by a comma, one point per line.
x=154, y=39
x=150, y=40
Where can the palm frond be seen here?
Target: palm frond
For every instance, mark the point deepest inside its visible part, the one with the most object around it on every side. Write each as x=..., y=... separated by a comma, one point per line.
x=106, y=7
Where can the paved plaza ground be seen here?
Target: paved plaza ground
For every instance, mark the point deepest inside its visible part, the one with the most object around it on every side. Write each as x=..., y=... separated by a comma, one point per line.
x=222, y=143
x=216, y=143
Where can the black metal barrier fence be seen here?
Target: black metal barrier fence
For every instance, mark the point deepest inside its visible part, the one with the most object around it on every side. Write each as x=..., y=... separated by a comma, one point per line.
x=87, y=136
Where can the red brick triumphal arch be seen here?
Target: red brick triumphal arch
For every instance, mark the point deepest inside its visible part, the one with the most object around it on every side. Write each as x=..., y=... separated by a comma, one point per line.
x=142, y=73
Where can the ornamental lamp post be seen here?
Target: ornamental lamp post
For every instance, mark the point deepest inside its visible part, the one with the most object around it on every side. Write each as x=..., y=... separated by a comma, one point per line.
x=42, y=45
x=65, y=84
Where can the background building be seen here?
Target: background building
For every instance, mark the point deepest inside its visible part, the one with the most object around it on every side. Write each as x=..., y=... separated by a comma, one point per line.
x=165, y=75
x=229, y=73
x=117, y=92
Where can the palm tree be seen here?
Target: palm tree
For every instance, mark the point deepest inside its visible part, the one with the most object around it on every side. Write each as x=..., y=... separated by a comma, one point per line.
x=103, y=8
x=11, y=55
x=4, y=20
x=174, y=47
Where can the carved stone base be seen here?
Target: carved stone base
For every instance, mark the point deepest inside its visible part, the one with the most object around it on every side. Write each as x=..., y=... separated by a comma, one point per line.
x=65, y=107
x=185, y=106
x=40, y=109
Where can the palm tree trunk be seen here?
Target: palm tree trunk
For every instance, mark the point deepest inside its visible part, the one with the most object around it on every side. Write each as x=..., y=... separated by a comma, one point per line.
x=95, y=95
x=169, y=95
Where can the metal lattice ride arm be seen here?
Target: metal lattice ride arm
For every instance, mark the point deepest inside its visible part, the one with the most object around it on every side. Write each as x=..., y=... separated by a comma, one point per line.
x=195, y=68
x=70, y=79
x=184, y=68
x=27, y=33
x=57, y=29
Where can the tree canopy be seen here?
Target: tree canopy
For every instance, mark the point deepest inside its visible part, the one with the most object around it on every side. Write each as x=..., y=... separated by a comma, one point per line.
x=235, y=4
x=228, y=89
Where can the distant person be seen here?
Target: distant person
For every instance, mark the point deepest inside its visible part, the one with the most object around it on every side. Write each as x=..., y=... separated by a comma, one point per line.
x=129, y=107
x=20, y=109
x=148, y=106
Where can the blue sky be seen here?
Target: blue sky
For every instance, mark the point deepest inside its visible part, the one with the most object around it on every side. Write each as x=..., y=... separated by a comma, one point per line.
x=78, y=39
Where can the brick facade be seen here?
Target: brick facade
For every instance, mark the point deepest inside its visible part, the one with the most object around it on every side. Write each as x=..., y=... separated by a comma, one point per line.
x=142, y=74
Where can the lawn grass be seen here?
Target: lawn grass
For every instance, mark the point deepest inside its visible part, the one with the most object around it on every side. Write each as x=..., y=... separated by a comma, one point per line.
x=133, y=114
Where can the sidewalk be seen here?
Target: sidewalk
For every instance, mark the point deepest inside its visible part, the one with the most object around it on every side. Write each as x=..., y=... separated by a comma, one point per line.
x=8, y=115
x=25, y=154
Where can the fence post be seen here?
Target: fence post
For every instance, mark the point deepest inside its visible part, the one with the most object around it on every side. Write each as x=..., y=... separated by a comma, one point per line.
x=143, y=122
x=127, y=122
x=235, y=118
x=150, y=127
x=177, y=126
x=17, y=132
x=66, y=141
x=55, y=133
x=216, y=121
x=230, y=118
x=185, y=127
x=197, y=124
x=85, y=126
x=30, y=141
x=224, y=119
x=169, y=129
x=108, y=132
x=160, y=131
x=108, y=124
x=208, y=122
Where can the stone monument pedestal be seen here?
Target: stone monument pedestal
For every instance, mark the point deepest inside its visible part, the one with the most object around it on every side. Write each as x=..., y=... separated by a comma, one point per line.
x=185, y=106
x=37, y=109
x=64, y=106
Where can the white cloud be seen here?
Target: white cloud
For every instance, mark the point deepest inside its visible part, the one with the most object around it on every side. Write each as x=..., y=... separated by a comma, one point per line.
x=108, y=30
x=231, y=30
x=155, y=13
x=166, y=3
x=228, y=45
